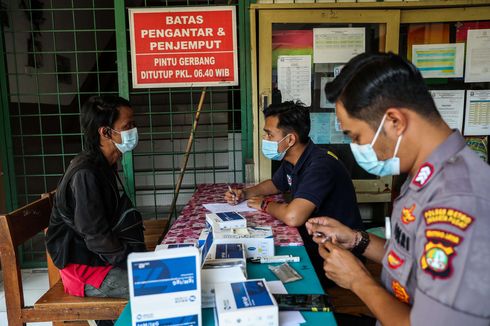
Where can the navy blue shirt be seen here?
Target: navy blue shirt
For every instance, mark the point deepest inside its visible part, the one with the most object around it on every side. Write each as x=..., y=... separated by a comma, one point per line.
x=322, y=179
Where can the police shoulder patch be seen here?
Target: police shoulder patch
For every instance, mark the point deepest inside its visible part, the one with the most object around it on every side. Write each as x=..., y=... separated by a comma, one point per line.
x=424, y=174
x=439, y=252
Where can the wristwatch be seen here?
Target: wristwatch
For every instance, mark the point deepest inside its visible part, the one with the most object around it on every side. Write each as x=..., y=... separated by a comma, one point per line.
x=362, y=244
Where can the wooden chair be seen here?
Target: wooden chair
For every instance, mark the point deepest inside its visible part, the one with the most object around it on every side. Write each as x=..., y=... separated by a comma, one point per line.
x=55, y=305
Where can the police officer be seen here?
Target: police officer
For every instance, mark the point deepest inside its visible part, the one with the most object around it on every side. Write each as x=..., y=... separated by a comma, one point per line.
x=436, y=266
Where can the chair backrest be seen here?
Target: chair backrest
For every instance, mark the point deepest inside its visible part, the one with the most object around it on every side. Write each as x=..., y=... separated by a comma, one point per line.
x=15, y=228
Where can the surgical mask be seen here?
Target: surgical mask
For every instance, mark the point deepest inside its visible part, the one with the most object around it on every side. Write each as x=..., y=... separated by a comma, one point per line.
x=270, y=149
x=366, y=157
x=129, y=140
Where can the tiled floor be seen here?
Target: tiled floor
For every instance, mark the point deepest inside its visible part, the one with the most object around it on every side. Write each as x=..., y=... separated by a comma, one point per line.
x=35, y=284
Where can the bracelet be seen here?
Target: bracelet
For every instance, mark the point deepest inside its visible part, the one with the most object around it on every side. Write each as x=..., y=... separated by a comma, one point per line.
x=361, y=244
x=265, y=203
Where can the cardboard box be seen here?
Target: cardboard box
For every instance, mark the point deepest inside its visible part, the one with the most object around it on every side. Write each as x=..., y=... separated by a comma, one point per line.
x=165, y=278
x=226, y=221
x=247, y=303
x=258, y=240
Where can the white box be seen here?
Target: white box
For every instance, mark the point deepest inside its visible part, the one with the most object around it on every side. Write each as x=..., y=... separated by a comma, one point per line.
x=226, y=220
x=211, y=277
x=258, y=240
x=174, y=245
x=248, y=303
x=165, y=278
x=226, y=255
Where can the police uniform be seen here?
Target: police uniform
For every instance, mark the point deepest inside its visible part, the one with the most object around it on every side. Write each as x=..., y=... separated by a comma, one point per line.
x=438, y=258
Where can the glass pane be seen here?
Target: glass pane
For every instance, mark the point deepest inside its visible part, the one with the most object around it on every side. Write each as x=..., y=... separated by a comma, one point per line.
x=293, y=39
x=449, y=79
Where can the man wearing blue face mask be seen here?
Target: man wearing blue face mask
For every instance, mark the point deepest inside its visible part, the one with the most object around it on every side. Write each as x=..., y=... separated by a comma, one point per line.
x=93, y=227
x=318, y=181
x=436, y=264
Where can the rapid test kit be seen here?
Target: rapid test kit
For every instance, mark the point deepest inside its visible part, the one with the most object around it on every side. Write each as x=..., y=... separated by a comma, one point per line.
x=247, y=303
x=258, y=240
x=226, y=220
x=165, y=287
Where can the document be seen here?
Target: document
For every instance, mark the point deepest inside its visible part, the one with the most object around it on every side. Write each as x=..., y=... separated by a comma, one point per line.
x=320, y=127
x=439, y=60
x=477, y=56
x=294, y=78
x=477, y=115
x=338, y=45
x=450, y=105
x=224, y=207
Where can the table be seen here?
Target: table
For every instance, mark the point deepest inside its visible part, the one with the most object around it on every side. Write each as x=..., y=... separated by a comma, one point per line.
x=309, y=284
x=287, y=240
x=192, y=219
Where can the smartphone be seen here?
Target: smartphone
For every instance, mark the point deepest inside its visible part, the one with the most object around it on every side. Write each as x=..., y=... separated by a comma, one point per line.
x=303, y=302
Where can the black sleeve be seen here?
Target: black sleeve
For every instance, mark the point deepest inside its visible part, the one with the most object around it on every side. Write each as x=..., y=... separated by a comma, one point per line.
x=91, y=218
x=279, y=179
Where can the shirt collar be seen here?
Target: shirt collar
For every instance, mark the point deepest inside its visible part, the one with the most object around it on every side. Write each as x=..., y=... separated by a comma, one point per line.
x=434, y=163
x=304, y=157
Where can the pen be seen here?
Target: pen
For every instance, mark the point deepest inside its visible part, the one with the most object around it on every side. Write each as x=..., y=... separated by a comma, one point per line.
x=233, y=193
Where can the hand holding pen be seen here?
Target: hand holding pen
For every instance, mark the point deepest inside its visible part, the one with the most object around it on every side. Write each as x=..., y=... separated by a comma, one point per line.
x=234, y=196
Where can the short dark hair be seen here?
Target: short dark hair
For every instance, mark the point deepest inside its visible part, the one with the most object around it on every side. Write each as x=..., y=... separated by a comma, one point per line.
x=369, y=84
x=99, y=111
x=292, y=116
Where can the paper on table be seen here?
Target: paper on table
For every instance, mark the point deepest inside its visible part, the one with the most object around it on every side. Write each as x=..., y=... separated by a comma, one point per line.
x=224, y=207
x=286, y=318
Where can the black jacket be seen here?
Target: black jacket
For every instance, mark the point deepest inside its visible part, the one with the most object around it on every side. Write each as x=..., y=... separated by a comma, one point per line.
x=91, y=223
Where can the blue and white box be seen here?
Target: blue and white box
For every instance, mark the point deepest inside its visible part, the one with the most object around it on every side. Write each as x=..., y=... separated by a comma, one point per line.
x=258, y=240
x=248, y=303
x=174, y=245
x=226, y=221
x=165, y=287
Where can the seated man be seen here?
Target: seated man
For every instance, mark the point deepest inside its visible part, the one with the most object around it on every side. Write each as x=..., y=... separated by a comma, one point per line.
x=319, y=183
x=92, y=227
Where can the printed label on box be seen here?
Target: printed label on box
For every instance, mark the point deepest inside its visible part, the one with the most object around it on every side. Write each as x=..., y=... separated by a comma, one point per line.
x=229, y=216
x=181, y=321
x=155, y=276
x=251, y=294
x=229, y=250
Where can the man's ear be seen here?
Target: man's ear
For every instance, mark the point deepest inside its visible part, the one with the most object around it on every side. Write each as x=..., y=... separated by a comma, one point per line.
x=293, y=139
x=396, y=121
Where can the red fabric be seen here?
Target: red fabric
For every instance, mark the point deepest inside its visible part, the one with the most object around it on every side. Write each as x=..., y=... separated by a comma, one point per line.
x=75, y=276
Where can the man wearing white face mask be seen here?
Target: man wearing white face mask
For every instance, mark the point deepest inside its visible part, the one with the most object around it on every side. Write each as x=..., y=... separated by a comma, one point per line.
x=318, y=181
x=436, y=265
x=93, y=227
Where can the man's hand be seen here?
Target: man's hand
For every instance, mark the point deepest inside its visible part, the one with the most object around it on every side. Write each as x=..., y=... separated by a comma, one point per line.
x=234, y=196
x=255, y=202
x=324, y=229
x=341, y=266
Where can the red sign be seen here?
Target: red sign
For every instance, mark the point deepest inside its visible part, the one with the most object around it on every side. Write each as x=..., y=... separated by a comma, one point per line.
x=183, y=46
